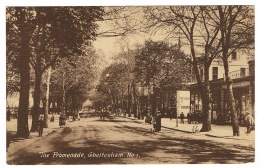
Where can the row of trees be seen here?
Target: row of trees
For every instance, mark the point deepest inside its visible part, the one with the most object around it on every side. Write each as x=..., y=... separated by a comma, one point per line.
x=151, y=65
x=38, y=38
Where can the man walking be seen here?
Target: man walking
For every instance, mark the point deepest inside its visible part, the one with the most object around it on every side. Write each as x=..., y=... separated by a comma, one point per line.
x=158, y=121
x=189, y=117
x=41, y=125
x=249, y=123
x=182, y=117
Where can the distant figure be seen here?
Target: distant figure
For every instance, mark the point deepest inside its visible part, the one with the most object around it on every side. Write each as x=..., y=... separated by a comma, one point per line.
x=102, y=115
x=171, y=116
x=41, y=125
x=195, y=127
x=52, y=119
x=74, y=117
x=242, y=118
x=182, y=117
x=249, y=123
x=148, y=118
x=153, y=124
x=8, y=114
x=158, y=122
x=228, y=116
x=189, y=117
x=62, y=120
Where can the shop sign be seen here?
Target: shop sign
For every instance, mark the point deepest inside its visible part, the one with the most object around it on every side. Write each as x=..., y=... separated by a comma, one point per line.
x=183, y=102
x=237, y=85
x=241, y=84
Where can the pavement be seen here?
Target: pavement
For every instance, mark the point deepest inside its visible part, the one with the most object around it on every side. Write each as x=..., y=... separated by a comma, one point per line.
x=218, y=131
x=16, y=143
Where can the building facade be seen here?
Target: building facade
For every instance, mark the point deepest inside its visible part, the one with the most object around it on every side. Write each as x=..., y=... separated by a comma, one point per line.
x=243, y=90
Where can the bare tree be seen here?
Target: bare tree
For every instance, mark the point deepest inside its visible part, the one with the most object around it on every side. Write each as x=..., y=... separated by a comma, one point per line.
x=195, y=26
x=119, y=21
x=237, y=32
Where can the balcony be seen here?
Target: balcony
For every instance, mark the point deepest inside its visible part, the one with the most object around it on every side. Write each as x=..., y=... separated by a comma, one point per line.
x=243, y=72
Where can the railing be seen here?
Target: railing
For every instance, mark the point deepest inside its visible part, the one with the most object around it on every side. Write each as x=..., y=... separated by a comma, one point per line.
x=238, y=74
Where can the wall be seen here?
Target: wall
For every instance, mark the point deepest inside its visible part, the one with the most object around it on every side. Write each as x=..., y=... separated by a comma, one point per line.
x=234, y=65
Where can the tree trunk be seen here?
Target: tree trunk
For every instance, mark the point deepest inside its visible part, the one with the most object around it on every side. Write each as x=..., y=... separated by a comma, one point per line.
x=128, y=100
x=63, y=94
x=46, y=111
x=44, y=103
x=24, y=67
x=204, y=89
x=206, y=102
x=122, y=98
x=206, y=126
x=226, y=25
x=22, y=122
x=36, y=99
x=234, y=118
x=134, y=103
x=231, y=101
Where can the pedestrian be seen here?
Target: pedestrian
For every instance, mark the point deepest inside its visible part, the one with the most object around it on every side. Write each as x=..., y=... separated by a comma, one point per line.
x=189, y=117
x=229, y=116
x=153, y=124
x=158, y=121
x=242, y=118
x=170, y=115
x=41, y=125
x=249, y=123
x=195, y=127
x=73, y=117
x=8, y=114
x=52, y=119
x=101, y=115
x=148, y=118
x=62, y=120
x=182, y=117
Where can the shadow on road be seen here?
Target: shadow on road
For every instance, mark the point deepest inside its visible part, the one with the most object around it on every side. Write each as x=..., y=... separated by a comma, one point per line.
x=163, y=149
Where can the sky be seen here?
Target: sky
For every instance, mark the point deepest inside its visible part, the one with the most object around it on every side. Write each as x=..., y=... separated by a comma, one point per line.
x=110, y=46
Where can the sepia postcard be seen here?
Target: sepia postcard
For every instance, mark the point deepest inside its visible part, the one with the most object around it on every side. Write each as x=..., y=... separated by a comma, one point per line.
x=102, y=85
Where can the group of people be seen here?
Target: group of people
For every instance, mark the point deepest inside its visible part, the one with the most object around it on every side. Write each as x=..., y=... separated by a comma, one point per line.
x=191, y=117
x=154, y=121
x=194, y=117
x=42, y=123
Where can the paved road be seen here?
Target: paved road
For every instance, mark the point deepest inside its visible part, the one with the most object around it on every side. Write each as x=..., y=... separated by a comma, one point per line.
x=125, y=141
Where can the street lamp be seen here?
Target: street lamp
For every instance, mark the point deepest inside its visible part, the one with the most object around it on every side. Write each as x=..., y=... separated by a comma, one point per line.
x=109, y=90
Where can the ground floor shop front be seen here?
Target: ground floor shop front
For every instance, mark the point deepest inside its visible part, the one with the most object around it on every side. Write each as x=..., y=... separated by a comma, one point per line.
x=243, y=91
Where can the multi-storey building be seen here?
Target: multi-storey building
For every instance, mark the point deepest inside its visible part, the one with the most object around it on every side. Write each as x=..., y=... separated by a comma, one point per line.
x=241, y=71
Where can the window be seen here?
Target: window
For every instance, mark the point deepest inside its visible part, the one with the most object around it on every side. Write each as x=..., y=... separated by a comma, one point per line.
x=234, y=56
x=215, y=73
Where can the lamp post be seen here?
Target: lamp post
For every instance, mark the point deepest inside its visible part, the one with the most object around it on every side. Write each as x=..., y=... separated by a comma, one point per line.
x=107, y=77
